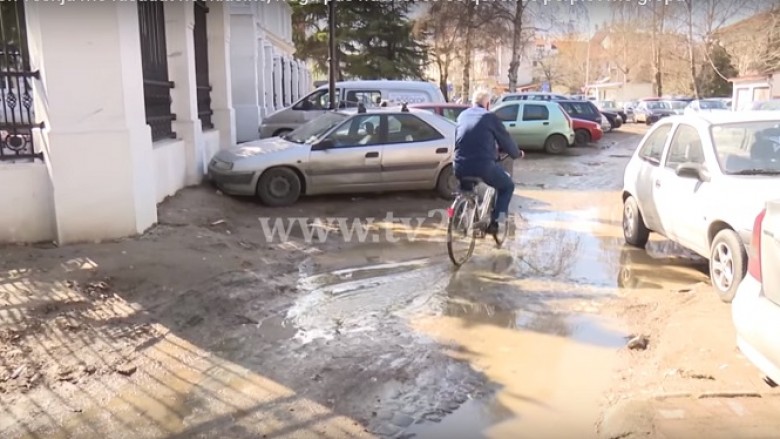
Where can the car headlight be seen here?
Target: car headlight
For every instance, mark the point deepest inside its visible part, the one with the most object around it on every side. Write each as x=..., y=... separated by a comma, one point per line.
x=221, y=165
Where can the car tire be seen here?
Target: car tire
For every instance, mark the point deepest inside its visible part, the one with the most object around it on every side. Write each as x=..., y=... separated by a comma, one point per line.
x=555, y=144
x=581, y=137
x=727, y=252
x=288, y=191
x=635, y=232
x=281, y=132
x=447, y=184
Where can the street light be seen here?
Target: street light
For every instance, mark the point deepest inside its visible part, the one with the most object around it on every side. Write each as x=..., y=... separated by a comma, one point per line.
x=332, y=53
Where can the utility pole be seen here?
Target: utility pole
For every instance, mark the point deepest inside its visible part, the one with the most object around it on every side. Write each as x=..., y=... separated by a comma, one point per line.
x=332, y=53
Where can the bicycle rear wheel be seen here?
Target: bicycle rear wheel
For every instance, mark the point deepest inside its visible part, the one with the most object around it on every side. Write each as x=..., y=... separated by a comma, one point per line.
x=461, y=225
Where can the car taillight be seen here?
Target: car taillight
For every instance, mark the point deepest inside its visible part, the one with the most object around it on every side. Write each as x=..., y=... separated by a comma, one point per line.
x=754, y=265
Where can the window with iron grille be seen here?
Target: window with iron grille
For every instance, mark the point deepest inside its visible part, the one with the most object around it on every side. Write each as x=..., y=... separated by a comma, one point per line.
x=284, y=84
x=154, y=61
x=17, y=120
x=273, y=84
x=203, y=87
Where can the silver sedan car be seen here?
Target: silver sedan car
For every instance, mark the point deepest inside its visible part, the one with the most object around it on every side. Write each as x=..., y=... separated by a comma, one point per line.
x=345, y=151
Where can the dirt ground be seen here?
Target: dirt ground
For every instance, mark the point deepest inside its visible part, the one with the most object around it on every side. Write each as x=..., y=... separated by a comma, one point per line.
x=205, y=327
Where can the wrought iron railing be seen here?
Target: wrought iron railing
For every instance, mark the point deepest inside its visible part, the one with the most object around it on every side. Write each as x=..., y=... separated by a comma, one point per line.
x=203, y=88
x=154, y=61
x=17, y=116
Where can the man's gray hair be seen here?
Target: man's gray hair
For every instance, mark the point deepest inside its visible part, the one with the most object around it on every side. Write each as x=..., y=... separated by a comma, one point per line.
x=480, y=96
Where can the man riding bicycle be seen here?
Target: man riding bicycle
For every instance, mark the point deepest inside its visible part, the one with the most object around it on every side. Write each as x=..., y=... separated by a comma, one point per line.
x=477, y=133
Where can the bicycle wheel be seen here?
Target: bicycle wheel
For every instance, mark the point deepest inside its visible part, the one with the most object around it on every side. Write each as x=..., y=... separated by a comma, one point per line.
x=461, y=225
x=503, y=226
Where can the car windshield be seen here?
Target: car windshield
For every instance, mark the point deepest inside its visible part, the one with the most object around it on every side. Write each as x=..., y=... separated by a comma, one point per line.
x=313, y=130
x=712, y=105
x=657, y=105
x=677, y=105
x=767, y=105
x=748, y=148
x=608, y=105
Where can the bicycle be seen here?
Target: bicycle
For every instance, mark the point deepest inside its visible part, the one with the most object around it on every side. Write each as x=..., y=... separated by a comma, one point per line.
x=474, y=208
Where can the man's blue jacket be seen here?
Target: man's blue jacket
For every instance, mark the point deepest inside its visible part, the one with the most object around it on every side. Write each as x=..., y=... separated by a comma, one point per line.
x=476, y=136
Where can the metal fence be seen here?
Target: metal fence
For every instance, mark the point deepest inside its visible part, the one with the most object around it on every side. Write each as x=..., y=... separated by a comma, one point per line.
x=17, y=118
x=154, y=60
x=203, y=86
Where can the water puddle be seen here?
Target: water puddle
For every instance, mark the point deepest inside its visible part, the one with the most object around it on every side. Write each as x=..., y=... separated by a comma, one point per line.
x=468, y=421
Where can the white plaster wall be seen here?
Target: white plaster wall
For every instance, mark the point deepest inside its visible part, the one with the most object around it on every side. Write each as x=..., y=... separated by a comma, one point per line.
x=28, y=209
x=170, y=167
x=211, y=144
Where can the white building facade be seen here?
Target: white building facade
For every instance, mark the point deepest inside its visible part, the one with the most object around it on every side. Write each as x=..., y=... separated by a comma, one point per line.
x=266, y=76
x=109, y=108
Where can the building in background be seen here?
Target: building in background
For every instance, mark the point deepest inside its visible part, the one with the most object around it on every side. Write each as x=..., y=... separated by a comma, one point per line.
x=109, y=108
x=265, y=74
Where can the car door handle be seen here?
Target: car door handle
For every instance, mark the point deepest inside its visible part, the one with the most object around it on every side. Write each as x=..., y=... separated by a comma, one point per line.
x=545, y=123
x=372, y=155
x=511, y=125
x=442, y=151
x=658, y=183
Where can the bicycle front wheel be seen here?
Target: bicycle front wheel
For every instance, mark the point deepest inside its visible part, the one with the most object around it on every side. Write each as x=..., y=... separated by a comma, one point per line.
x=461, y=230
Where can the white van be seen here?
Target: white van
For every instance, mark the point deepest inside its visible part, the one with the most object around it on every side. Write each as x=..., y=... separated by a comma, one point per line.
x=349, y=94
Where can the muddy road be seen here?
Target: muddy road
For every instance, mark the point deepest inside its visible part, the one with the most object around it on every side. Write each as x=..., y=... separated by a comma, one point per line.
x=207, y=327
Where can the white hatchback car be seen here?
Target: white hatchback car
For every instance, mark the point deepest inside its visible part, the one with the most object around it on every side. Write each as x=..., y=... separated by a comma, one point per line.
x=700, y=181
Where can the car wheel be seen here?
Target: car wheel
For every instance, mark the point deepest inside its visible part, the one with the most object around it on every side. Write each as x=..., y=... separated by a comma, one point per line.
x=581, y=137
x=281, y=132
x=447, y=183
x=555, y=144
x=728, y=264
x=279, y=187
x=634, y=230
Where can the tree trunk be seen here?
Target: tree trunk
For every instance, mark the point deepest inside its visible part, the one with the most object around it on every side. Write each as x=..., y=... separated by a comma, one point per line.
x=691, y=54
x=442, y=78
x=466, y=77
x=517, y=45
x=658, y=31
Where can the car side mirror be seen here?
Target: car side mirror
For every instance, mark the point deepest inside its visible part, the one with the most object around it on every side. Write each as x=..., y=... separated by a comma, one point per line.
x=693, y=170
x=322, y=145
x=304, y=105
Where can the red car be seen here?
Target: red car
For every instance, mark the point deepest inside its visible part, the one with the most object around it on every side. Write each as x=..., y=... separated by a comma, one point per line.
x=449, y=110
x=586, y=131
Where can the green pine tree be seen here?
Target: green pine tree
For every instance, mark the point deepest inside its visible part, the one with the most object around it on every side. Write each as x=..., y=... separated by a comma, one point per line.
x=375, y=39
x=712, y=73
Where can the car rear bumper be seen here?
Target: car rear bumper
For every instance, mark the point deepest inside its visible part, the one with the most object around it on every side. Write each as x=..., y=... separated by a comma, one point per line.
x=757, y=321
x=233, y=183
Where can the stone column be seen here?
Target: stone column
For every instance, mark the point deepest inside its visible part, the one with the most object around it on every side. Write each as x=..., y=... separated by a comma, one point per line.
x=286, y=65
x=277, y=79
x=243, y=68
x=179, y=24
x=268, y=73
x=218, y=28
x=261, y=84
x=100, y=146
x=296, y=89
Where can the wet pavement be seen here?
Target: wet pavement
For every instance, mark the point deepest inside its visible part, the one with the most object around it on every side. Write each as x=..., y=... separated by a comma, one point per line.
x=388, y=340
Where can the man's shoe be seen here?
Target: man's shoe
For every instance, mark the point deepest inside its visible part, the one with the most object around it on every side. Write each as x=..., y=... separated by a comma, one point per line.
x=492, y=228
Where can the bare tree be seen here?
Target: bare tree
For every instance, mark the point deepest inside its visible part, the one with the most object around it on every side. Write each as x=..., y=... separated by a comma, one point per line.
x=439, y=26
x=658, y=22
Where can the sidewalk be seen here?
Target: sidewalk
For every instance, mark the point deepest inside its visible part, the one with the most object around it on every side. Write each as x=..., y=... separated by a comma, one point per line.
x=714, y=416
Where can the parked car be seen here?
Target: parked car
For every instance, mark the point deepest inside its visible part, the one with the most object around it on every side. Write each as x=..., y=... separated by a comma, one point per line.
x=677, y=107
x=586, y=131
x=756, y=307
x=612, y=107
x=537, y=125
x=349, y=94
x=700, y=181
x=628, y=109
x=615, y=121
x=706, y=105
x=587, y=110
x=530, y=97
x=378, y=149
x=650, y=112
x=450, y=110
x=771, y=105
